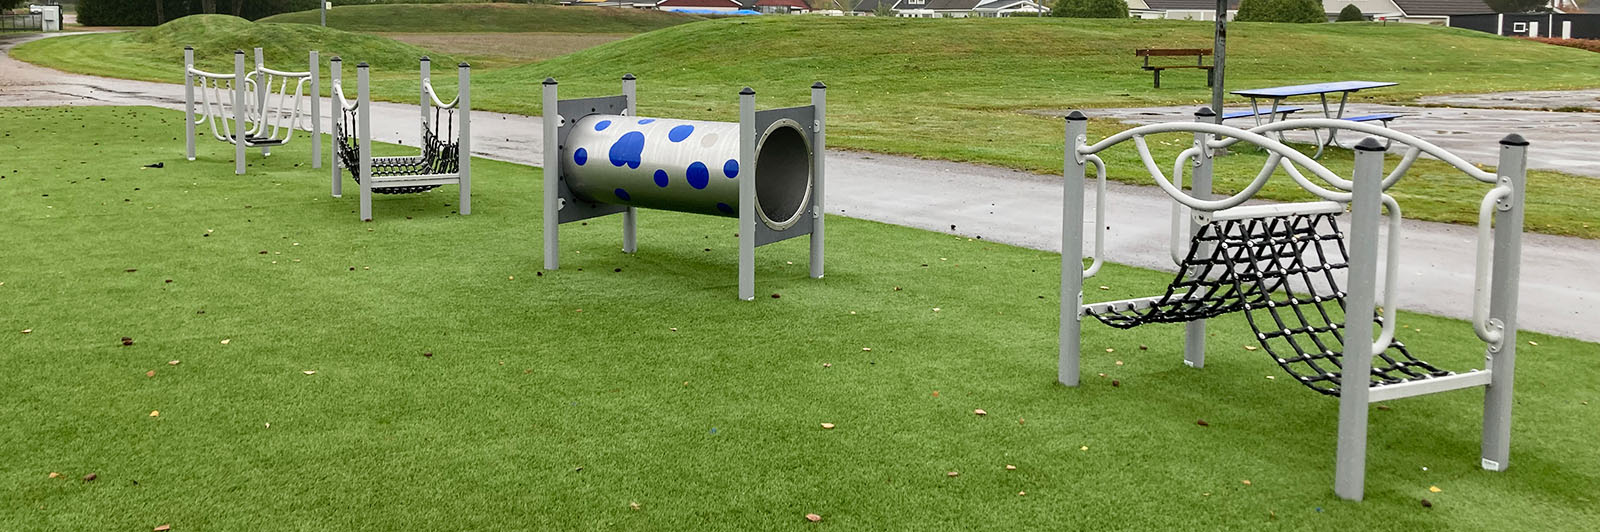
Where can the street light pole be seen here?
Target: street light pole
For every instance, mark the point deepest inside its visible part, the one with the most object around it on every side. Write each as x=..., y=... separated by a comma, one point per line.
x=1219, y=58
x=323, y=4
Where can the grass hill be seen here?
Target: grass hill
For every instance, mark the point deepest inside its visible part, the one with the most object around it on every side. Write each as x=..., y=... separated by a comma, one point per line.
x=489, y=17
x=156, y=54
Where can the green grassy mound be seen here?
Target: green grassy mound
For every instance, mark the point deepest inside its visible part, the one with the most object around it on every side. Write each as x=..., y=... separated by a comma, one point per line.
x=490, y=17
x=156, y=54
x=555, y=401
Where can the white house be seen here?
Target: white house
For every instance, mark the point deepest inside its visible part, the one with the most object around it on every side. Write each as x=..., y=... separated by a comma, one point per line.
x=955, y=8
x=1413, y=11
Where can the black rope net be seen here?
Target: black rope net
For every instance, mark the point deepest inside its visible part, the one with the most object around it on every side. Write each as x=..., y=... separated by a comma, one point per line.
x=1280, y=270
x=437, y=156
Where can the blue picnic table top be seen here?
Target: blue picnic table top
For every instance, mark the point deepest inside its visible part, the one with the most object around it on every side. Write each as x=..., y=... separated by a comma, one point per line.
x=1314, y=88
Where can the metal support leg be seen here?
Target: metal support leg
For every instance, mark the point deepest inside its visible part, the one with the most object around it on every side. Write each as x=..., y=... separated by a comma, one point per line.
x=426, y=70
x=1194, y=332
x=630, y=217
x=819, y=164
x=747, y=194
x=1365, y=212
x=1502, y=358
x=1158, y=77
x=552, y=177
x=239, y=96
x=316, y=112
x=188, y=101
x=464, y=134
x=1073, y=171
x=364, y=133
x=261, y=98
x=335, y=115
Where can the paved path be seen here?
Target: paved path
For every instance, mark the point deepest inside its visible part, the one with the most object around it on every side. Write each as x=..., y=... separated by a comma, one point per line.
x=999, y=205
x=1547, y=100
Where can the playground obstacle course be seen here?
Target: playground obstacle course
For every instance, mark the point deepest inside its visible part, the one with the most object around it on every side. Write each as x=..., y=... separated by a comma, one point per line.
x=440, y=160
x=246, y=105
x=1278, y=264
x=766, y=170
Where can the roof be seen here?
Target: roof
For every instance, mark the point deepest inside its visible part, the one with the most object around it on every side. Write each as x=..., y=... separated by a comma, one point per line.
x=700, y=3
x=872, y=5
x=791, y=3
x=1188, y=5
x=1367, y=7
x=1442, y=7
x=1002, y=4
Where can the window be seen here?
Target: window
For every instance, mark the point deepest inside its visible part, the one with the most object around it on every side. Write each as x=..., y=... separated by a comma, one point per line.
x=1519, y=27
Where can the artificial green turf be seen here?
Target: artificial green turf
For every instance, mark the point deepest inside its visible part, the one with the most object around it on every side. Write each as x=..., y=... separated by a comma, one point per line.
x=489, y=17
x=554, y=401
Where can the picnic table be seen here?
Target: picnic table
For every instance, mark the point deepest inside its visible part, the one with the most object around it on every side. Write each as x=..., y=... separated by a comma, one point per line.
x=1278, y=94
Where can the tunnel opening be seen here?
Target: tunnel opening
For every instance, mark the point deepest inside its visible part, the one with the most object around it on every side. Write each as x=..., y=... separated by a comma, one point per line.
x=783, y=174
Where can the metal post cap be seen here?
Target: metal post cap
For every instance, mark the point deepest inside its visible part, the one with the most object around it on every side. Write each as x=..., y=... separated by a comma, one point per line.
x=336, y=58
x=1204, y=111
x=464, y=64
x=362, y=64
x=1369, y=144
x=238, y=52
x=425, y=58
x=747, y=91
x=1076, y=116
x=628, y=77
x=549, y=81
x=188, y=47
x=1514, y=140
x=818, y=85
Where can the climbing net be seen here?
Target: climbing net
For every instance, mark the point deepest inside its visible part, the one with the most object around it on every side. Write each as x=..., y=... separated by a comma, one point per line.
x=436, y=156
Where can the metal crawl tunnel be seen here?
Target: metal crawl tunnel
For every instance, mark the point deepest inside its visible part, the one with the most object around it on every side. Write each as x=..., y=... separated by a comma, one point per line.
x=766, y=170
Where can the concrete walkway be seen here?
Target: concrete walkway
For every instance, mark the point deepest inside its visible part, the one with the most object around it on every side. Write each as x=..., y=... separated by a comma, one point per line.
x=999, y=205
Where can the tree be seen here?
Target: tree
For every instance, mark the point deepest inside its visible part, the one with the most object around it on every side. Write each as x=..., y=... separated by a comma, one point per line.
x=1301, y=11
x=1090, y=9
x=1350, y=13
x=161, y=12
x=1519, y=6
x=208, y=6
x=8, y=4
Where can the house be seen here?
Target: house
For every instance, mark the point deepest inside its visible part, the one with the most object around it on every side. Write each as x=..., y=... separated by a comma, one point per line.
x=1412, y=11
x=1179, y=9
x=953, y=8
x=1549, y=25
x=781, y=7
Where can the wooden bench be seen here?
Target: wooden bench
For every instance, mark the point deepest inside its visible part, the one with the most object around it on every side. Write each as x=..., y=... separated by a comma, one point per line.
x=1199, y=60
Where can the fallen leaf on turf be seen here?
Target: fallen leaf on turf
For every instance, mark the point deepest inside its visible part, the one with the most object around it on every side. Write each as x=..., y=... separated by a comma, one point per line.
x=225, y=341
x=1201, y=422
x=90, y=477
x=828, y=426
x=936, y=309
x=54, y=474
x=1104, y=287
x=1531, y=342
x=1434, y=489
x=866, y=349
x=173, y=362
x=1010, y=467
x=1021, y=493
x=150, y=373
x=814, y=518
x=1246, y=482
x=673, y=329
x=155, y=413
x=634, y=505
x=1249, y=348
x=1143, y=347
x=1119, y=362
x=1271, y=378
x=979, y=411
x=26, y=331
x=163, y=528
x=1110, y=350
x=936, y=394
x=953, y=474
x=269, y=425
x=827, y=365
x=309, y=372
x=1426, y=504
x=1116, y=383
x=1021, y=421
x=1084, y=448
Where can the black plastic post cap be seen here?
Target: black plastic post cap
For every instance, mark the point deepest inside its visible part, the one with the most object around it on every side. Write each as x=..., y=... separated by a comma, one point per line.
x=628, y=77
x=464, y=64
x=1076, y=116
x=747, y=92
x=1204, y=111
x=336, y=58
x=818, y=85
x=1369, y=144
x=362, y=64
x=1514, y=140
x=188, y=47
x=549, y=81
x=238, y=52
x=425, y=58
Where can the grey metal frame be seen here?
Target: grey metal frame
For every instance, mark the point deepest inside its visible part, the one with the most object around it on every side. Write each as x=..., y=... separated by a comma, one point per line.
x=1499, y=259
x=429, y=99
x=561, y=205
x=243, y=121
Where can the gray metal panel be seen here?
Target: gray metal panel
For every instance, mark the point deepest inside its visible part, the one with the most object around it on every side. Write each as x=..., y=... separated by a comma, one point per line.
x=806, y=116
x=574, y=209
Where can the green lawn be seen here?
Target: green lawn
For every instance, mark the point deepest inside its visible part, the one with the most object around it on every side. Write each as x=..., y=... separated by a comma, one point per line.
x=489, y=17
x=555, y=401
x=963, y=90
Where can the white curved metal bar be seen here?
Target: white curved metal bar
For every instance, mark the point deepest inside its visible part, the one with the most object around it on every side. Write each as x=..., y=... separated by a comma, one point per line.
x=1192, y=202
x=344, y=103
x=212, y=75
x=1179, y=212
x=1370, y=129
x=1276, y=149
x=1313, y=188
x=286, y=74
x=1099, y=216
x=435, y=96
x=1391, y=272
x=1480, y=284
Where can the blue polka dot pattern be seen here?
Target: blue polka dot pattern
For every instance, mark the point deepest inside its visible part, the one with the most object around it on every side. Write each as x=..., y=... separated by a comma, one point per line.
x=661, y=178
x=581, y=156
x=602, y=125
x=731, y=168
x=678, y=133
x=725, y=208
x=627, y=150
x=698, y=176
x=644, y=121
x=622, y=194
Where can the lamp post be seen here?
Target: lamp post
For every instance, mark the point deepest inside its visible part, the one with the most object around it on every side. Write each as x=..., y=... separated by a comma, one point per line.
x=1218, y=59
x=323, y=4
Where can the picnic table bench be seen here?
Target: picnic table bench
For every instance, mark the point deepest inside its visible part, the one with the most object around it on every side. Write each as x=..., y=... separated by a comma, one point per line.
x=1199, y=55
x=1277, y=95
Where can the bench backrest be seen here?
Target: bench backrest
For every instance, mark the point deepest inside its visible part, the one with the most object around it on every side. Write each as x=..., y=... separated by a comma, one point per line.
x=1149, y=52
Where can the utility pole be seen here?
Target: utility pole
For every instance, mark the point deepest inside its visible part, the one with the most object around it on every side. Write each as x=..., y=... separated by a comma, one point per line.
x=1219, y=58
x=323, y=4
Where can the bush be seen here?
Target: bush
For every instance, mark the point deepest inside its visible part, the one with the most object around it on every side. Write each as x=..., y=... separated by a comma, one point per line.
x=1303, y=11
x=143, y=12
x=1350, y=13
x=1090, y=9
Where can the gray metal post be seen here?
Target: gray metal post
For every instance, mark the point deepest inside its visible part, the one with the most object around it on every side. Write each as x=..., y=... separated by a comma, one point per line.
x=1503, y=280
x=552, y=177
x=188, y=100
x=630, y=220
x=819, y=165
x=1194, y=332
x=323, y=6
x=335, y=115
x=261, y=96
x=747, y=194
x=1366, y=209
x=364, y=134
x=464, y=133
x=316, y=112
x=1074, y=172
x=1219, y=58
x=422, y=88
x=239, y=96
